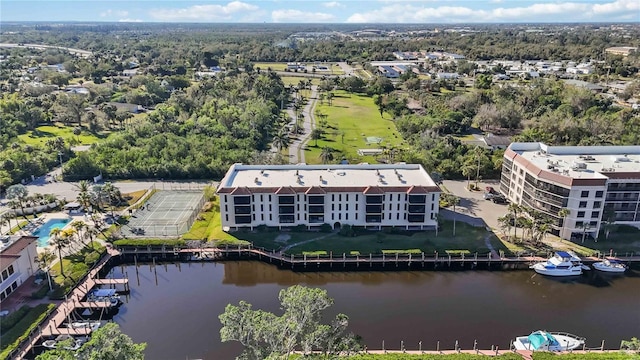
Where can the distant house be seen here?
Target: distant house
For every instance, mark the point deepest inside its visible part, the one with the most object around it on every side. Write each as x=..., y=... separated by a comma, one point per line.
x=495, y=142
x=131, y=108
x=585, y=85
x=295, y=66
x=17, y=262
x=447, y=76
x=621, y=50
x=130, y=72
x=388, y=71
x=77, y=89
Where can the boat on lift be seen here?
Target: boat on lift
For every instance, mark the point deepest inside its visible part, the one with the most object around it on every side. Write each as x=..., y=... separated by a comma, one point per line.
x=64, y=341
x=548, y=341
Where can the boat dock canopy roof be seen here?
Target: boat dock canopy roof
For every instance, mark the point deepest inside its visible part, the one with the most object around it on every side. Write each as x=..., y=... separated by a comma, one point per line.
x=564, y=254
x=540, y=338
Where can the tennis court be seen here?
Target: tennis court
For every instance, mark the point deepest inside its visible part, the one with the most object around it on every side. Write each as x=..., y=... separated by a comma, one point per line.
x=165, y=214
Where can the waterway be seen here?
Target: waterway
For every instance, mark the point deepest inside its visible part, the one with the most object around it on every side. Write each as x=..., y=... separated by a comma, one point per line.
x=175, y=307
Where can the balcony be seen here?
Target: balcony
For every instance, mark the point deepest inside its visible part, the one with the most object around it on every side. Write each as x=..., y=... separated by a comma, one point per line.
x=316, y=209
x=374, y=209
x=286, y=199
x=241, y=200
x=417, y=209
x=286, y=210
x=287, y=219
x=417, y=199
x=374, y=199
x=242, y=210
x=415, y=218
x=373, y=219
x=243, y=219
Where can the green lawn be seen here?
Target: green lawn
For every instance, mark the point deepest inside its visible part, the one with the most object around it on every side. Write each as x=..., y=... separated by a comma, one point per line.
x=467, y=238
x=41, y=134
x=357, y=117
x=274, y=66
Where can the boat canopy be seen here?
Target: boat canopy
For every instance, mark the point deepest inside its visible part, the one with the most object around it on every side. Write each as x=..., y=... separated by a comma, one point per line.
x=540, y=338
x=103, y=292
x=564, y=254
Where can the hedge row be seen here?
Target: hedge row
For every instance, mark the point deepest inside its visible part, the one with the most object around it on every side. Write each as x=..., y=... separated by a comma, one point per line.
x=149, y=242
x=18, y=333
x=12, y=319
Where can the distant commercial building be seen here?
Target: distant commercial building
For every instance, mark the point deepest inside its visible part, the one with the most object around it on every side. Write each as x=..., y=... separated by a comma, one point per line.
x=622, y=50
x=17, y=262
x=372, y=196
x=595, y=183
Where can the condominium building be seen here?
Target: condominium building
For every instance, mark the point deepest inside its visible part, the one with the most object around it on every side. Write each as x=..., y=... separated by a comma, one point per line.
x=622, y=50
x=373, y=196
x=17, y=262
x=596, y=184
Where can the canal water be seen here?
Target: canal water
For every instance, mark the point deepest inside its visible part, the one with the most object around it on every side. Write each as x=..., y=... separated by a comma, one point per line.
x=174, y=307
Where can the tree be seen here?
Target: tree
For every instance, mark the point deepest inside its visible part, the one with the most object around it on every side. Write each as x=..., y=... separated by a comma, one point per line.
x=266, y=335
x=316, y=134
x=106, y=343
x=514, y=209
x=71, y=107
x=505, y=225
x=59, y=242
x=19, y=193
x=326, y=155
x=44, y=261
x=280, y=140
x=563, y=213
x=451, y=200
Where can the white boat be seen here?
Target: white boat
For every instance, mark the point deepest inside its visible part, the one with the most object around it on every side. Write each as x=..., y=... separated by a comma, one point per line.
x=74, y=344
x=563, y=263
x=548, y=341
x=100, y=295
x=93, y=325
x=612, y=266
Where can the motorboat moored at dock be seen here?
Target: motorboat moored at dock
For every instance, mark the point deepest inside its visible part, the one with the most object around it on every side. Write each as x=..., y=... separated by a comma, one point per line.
x=548, y=341
x=66, y=342
x=612, y=266
x=562, y=263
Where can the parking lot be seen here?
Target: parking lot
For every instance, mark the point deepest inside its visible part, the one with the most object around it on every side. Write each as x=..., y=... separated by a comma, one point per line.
x=473, y=206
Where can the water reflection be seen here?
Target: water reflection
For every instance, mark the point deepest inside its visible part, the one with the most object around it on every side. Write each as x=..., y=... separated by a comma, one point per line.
x=175, y=307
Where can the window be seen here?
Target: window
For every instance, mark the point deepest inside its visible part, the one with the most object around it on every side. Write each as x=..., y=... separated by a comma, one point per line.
x=262, y=217
x=339, y=216
x=356, y=209
x=333, y=207
x=398, y=197
x=579, y=224
x=356, y=197
x=270, y=207
x=398, y=207
x=346, y=207
x=597, y=204
x=339, y=207
x=580, y=214
x=595, y=215
x=333, y=197
x=585, y=193
x=261, y=197
x=599, y=193
x=269, y=197
x=270, y=217
x=346, y=216
x=226, y=208
x=339, y=197
x=397, y=216
x=583, y=204
x=347, y=197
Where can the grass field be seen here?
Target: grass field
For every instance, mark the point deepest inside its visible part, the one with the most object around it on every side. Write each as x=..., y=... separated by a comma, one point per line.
x=467, y=238
x=41, y=134
x=295, y=80
x=275, y=66
x=357, y=117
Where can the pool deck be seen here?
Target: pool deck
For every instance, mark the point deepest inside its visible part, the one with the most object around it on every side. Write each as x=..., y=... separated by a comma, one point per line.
x=44, y=217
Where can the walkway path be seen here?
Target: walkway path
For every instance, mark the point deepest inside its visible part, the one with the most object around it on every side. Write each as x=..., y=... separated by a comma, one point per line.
x=296, y=148
x=487, y=243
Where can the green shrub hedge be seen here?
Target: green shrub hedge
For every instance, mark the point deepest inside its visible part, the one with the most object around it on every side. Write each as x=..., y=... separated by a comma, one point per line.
x=18, y=333
x=13, y=318
x=150, y=242
x=42, y=292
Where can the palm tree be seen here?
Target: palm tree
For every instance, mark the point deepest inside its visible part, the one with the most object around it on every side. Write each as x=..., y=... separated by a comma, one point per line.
x=19, y=193
x=44, y=261
x=454, y=201
x=79, y=226
x=4, y=220
x=563, y=213
x=326, y=155
x=59, y=242
x=92, y=232
x=316, y=134
x=467, y=170
x=113, y=196
x=280, y=140
x=479, y=152
x=514, y=209
x=505, y=225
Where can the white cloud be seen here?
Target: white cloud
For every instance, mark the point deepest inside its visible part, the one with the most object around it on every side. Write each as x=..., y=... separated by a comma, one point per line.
x=119, y=13
x=297, y=16
x=556, y=11
x=496, y=1
x=130, y=20
x=333, y=4
x=205, y=12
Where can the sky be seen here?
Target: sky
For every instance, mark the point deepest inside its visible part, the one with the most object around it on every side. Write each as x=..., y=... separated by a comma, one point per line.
x=317, y=11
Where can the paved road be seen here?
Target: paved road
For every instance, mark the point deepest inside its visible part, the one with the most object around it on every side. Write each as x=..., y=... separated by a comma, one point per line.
x=83, y=53
x=297, y=146
x=348, y=69
x=473, y=207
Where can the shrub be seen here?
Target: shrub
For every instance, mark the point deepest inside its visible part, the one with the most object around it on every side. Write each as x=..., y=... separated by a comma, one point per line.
x=18, y=333
x=91, y=258
x=325, y=228
x=262, y=228
x=40, y=293
x=149, y=242
x=299, y=228
x=12, y=319
x=208, y=206
x=347, y=230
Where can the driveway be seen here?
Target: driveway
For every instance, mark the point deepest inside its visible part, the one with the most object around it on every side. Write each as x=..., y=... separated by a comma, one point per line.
x=472, y=206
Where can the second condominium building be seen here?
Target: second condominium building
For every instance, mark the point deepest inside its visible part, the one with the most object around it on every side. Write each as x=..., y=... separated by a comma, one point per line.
x=373, y=196
x=594, y=183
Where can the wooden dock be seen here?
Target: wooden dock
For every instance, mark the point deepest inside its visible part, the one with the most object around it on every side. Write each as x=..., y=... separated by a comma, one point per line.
x=335, y=261
x=53, y=325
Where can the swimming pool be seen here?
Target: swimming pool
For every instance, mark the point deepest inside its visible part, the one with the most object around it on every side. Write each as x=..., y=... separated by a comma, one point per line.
x=43, y=231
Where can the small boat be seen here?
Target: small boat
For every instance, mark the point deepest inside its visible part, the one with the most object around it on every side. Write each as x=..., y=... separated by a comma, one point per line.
x=93, y=325
x=548, y=341
x=563, y=263
x=612, y=266
x=66, y=342
x=101, y=295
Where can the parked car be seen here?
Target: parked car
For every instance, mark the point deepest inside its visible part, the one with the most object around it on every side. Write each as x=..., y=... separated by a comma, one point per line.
x=491, y=190
x=488, y=196
x=499, y=199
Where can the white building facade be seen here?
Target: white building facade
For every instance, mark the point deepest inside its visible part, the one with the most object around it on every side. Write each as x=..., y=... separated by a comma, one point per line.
x=596, y=184
x=372, y=196
x=17, y=262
